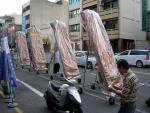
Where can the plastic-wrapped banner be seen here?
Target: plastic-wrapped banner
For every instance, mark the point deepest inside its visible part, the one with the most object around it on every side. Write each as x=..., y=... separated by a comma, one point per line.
x=38, y=54
x=107, y=68
x=65, y=49
x=7, y=67
x=22, y=48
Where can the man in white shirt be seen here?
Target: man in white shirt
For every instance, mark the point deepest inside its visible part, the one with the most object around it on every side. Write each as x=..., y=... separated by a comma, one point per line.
x=56, y=61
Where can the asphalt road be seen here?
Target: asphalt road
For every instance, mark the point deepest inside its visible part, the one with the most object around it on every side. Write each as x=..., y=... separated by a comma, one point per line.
x=31, y=88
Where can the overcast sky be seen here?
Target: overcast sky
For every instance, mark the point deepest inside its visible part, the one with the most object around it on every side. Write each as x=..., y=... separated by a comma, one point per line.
x=12, y=6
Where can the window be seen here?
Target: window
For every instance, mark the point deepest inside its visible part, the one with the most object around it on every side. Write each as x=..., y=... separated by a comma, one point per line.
x=138, y=53
x=73, y=1
x=124, y=53
x=79, y=54
x=27, y=17
x=111, y=5
x=28, y=26
x=111, y=24
x=74, y=28
x=74, y=13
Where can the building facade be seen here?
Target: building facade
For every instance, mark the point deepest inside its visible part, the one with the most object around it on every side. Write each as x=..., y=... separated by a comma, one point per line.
x=122, y=20
x=75, y=24
x=148, y=19
x=40, y=13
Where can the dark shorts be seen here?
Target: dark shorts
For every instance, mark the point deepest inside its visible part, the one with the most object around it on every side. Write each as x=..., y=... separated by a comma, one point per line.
x=56, y=68
x=127, y=107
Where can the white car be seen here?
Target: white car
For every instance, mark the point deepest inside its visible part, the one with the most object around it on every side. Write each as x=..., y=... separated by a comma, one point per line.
x=137, y=58
x=81, y=58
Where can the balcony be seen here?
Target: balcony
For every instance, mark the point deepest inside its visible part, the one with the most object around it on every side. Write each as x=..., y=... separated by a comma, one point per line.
x=85, y=36
x=108, y=14
x=88, y=3
x=26, y=13
x=113, y=33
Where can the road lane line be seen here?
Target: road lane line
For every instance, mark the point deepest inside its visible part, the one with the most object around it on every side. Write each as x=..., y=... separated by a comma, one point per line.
x=31, y=88
x=104, y=99
x=90, y=94
x=18, y=110
x=101, y=98
x=137, y=72
x=2, y=94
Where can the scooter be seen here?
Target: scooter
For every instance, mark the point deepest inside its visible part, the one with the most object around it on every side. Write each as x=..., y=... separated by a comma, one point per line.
x=65, y=97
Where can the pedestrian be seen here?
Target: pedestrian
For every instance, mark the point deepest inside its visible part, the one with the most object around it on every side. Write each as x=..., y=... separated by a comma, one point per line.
x=56, y=60
x=128, y=92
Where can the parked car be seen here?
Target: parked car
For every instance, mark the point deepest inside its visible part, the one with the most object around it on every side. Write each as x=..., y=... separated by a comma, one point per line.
x=48, y=57
x=81, y=57
x=137, y=58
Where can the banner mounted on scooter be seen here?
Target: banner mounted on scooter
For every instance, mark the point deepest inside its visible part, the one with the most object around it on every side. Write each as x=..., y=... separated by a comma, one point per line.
x=107, y=68
x=63, y=43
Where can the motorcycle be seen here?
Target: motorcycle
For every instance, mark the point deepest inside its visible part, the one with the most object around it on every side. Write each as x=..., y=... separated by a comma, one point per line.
x=65, y=97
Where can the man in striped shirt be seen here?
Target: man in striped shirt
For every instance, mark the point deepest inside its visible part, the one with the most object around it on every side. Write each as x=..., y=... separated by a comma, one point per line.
x=128, y=92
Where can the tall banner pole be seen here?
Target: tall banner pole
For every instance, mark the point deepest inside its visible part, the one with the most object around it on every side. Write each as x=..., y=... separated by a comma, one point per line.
x=8, y=76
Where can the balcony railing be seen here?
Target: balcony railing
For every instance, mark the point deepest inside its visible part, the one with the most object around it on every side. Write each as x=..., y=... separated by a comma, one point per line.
x=112, y=34
x=88, y=3
x=107, y=14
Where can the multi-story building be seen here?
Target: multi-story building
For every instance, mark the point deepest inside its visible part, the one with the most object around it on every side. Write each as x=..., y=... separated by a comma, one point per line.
x=2, y=22
x=74, y=24
x=40, y=13
x=122, y=20
x=12, y=20
x=147, y=10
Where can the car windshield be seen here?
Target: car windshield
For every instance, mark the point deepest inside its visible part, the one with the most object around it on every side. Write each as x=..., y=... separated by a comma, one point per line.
x=90, y=54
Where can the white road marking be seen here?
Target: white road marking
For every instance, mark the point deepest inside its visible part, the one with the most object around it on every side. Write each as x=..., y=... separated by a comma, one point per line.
x=101, y=98
x=137, y=72
x=31, y=88
x=93, y=95
x=90, y=94
x=94, y=74
x=138, y=110
x=133, y=71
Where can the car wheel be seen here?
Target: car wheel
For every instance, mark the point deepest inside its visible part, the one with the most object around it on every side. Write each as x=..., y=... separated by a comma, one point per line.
x=139, y=64
x=89, y=65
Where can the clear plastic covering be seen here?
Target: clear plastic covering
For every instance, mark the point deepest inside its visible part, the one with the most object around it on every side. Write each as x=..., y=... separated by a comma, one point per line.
x=107, y=68
x=22, y=49
x=62, y=42
x=37, y=50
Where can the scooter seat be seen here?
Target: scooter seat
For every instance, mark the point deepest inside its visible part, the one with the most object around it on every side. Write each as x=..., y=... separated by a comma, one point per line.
x=55, y=87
